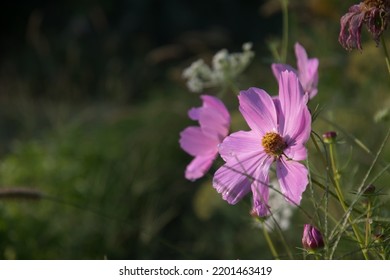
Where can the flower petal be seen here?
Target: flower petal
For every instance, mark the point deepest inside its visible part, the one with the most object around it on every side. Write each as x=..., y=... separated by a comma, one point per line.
x=278, y=68
x=195, y=142
x=292, y=177
x=307, y=71
x=199, y=166
x=240, y=143
x=260, y=188
x=296, y=152
x=213, y=117
x=233, y=180
x=351, y=26
x=294, y=116
x=258, y=109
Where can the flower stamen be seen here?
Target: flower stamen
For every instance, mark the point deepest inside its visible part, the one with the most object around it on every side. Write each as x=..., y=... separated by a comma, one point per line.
x=273, y=144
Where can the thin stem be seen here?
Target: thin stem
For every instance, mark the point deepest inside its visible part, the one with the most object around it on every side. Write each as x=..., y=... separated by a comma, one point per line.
x=387, y=58
x=285, y=31
x=281, y=235
x=336, y=175
x=336, y=180
x=325, y=188
x=270, y=243
x=318, y=150
x=368, y=223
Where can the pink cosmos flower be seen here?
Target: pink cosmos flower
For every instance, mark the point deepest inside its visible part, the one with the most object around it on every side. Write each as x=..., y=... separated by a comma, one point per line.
x=375, y=14
x=202, y=141
x=307, y=70
x=280, y=127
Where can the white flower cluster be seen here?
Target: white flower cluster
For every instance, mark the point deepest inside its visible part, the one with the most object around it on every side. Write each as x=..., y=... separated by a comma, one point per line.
x=225, y=67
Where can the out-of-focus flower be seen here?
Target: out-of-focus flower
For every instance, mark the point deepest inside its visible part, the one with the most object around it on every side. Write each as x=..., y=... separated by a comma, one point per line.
x=307, y=70
x=280, y=128
x=312, y=238
x=202, y=141
x=225, y=68
x=373, y=13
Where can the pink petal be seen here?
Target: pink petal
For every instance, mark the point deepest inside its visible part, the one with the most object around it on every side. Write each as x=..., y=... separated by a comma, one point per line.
x=260, y=188
x=240, y=143
x=292, y=177
x=216, y=104
x=296, y=152
x=258, y=109
x=199, y=166
x=233, y=180
x=195, y=142
x=278, y=68
x=294, y=116
x=302, y=130
x=214, y=118
x=307, y=70
x=194, y=113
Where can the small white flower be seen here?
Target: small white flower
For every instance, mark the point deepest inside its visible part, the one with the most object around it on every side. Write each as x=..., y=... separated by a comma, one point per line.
x=225, y=67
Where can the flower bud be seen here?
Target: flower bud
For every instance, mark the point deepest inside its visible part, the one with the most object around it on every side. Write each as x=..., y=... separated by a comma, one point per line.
x=329, y=137
x=369, y=190
x=312, y=238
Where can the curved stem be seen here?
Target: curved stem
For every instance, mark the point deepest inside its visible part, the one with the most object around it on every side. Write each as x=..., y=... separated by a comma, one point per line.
x=387, y=58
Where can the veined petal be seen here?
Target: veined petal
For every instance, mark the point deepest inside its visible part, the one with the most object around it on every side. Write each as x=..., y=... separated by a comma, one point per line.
x=292, y=177
x=258, y=109
x=296, y=152
x=278, y=68
x=260, y=188
x=199, y=166
x=240, y=143
x=233, y=180
x=195, y=142
x=294, y=114
x=301, y=132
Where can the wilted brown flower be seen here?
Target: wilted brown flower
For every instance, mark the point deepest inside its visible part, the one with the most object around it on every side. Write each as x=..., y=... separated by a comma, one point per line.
x=373, y=13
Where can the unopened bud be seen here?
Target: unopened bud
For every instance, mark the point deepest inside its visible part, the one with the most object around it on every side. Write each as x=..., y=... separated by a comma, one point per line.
x=329, y=137
x=312, y=238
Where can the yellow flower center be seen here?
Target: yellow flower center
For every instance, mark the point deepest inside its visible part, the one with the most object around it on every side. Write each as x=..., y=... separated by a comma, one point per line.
x=273, y=144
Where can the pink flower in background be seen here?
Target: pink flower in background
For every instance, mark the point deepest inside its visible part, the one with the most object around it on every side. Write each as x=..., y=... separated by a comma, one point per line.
x=202, y=141
x=375, y=14
x=280, y=127
x=307, y=70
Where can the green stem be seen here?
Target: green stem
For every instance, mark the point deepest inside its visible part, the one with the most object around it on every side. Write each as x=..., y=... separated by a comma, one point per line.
x=368, y=224
x=336, y=180
x=318, y=150
x=270, y=243
x=285, y=31
x=387, y=58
